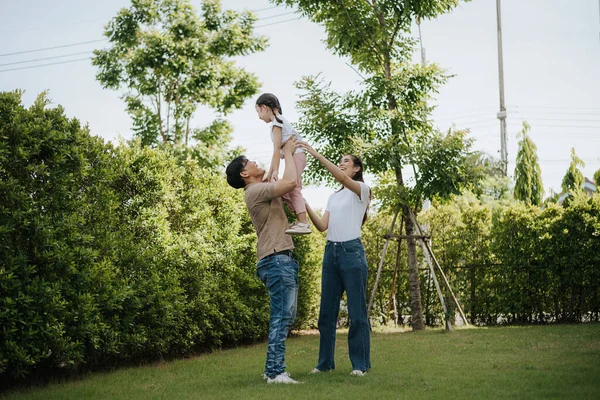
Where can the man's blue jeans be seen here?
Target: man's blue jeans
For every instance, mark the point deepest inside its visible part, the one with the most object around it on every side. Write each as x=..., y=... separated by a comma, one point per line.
x=279, y=273
x=344, y=269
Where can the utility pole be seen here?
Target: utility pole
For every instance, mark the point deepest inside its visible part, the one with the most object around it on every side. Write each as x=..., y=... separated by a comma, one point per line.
x=421, y=42
x=502, y=113
x=427, y=202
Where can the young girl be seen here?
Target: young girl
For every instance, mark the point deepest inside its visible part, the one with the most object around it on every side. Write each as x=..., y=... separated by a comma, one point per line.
x=269, y=110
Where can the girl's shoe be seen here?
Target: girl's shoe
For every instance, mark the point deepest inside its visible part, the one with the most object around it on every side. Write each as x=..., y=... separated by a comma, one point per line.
x=298, y=228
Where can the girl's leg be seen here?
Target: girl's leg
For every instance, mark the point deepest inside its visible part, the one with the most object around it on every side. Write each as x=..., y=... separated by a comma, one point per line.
x=302, y=218
x=296, y=198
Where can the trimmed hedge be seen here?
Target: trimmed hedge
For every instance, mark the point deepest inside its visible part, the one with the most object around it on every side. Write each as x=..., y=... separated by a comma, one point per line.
x=507, y=263
x=119, y=253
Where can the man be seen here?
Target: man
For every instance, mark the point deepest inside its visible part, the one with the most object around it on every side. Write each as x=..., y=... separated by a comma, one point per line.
x=276, y=268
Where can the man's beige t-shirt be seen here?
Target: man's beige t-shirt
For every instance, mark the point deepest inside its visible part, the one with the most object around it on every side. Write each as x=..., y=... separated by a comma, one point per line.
x=268, y=217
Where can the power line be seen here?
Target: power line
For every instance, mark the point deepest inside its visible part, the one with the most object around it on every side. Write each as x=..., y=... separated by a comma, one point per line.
x=524, y=117
x=535, y=132
x=265, y=9
x=45, y=65
x=465, y=124
x=103, y=40
x=469, y=111
x=81, y=59
x=555, y=107
x=276, y=16
x=279, y=22
x=561, y=117
x=570, y=126
x=520, y=113
x=52, y=48
x=571, y=113
x=45, y=58
x=88, y=58
x=567, y=135
x=52, y=27
x=479, y=125
x=468, y=117
x=565, y=160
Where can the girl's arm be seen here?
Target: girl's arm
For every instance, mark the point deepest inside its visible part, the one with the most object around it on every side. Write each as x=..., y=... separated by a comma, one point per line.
x=288, y=180
x=274, y=168
x=337, y=173
x=320, y=223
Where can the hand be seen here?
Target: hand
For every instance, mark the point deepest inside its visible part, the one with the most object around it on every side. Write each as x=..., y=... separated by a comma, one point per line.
x=291, y=145
x=271, y=176
x=308, y=148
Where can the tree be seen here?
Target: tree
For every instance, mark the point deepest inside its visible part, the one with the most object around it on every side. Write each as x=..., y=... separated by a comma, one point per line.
x=171, y=60
x=388, y=122
x=493, y=187
x=528, y=175
x=597, y=178
x=573, y=178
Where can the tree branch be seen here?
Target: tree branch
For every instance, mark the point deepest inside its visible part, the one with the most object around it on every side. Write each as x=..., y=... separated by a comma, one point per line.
x=354, y=69
x=397, y=27
x=168, y=115
x=374, y=48
x=159, y=113
x=187, y=131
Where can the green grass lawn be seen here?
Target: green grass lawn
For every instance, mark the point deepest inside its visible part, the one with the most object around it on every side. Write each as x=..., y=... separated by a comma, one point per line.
x=560, y=361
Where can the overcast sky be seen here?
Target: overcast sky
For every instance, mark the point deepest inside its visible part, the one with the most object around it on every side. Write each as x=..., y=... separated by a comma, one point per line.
x=551, y=63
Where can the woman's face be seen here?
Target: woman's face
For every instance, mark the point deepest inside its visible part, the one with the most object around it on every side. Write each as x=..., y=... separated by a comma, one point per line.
x=347, y=165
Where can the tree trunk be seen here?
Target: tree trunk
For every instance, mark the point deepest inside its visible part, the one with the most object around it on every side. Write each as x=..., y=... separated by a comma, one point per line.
x=159, y=112
x=413, y=274
x=187, y=131
x=472, y=274
x=428, y=319
x=413, y=271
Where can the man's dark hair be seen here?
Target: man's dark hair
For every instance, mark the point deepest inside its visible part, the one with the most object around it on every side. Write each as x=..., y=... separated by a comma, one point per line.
x=233, y=171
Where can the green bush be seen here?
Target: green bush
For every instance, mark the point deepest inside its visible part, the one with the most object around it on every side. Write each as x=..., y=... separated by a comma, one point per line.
x=506, y=262
x=309, y=254
x=58, y=287
x=119, y=253
x=551, y=260
x=519, y=263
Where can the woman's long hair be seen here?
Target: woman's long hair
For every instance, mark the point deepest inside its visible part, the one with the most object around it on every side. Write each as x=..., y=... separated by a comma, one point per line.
x=358, y=176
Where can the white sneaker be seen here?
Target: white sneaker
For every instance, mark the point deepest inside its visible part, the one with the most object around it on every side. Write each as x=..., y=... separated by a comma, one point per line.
x=264, y=377
x=358, y=372
x=284, y=377
x=298, y=228
x=315, y=371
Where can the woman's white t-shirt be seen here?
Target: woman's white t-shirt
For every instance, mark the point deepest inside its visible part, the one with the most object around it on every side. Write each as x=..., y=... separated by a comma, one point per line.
x=287, y=131
x=346, y=213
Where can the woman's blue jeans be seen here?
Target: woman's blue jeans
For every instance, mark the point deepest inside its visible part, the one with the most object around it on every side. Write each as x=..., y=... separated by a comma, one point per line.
x=344, y=269
x=279, y=273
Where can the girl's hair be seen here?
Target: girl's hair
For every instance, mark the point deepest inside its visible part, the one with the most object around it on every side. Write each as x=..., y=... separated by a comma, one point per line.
x=358, y=176
x=271, y=101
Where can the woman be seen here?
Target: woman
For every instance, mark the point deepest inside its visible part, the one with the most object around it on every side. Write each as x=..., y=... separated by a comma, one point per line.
x=344, y=263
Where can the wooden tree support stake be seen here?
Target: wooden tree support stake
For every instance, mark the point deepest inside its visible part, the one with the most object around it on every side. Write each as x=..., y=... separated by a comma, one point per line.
x=431, y=261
